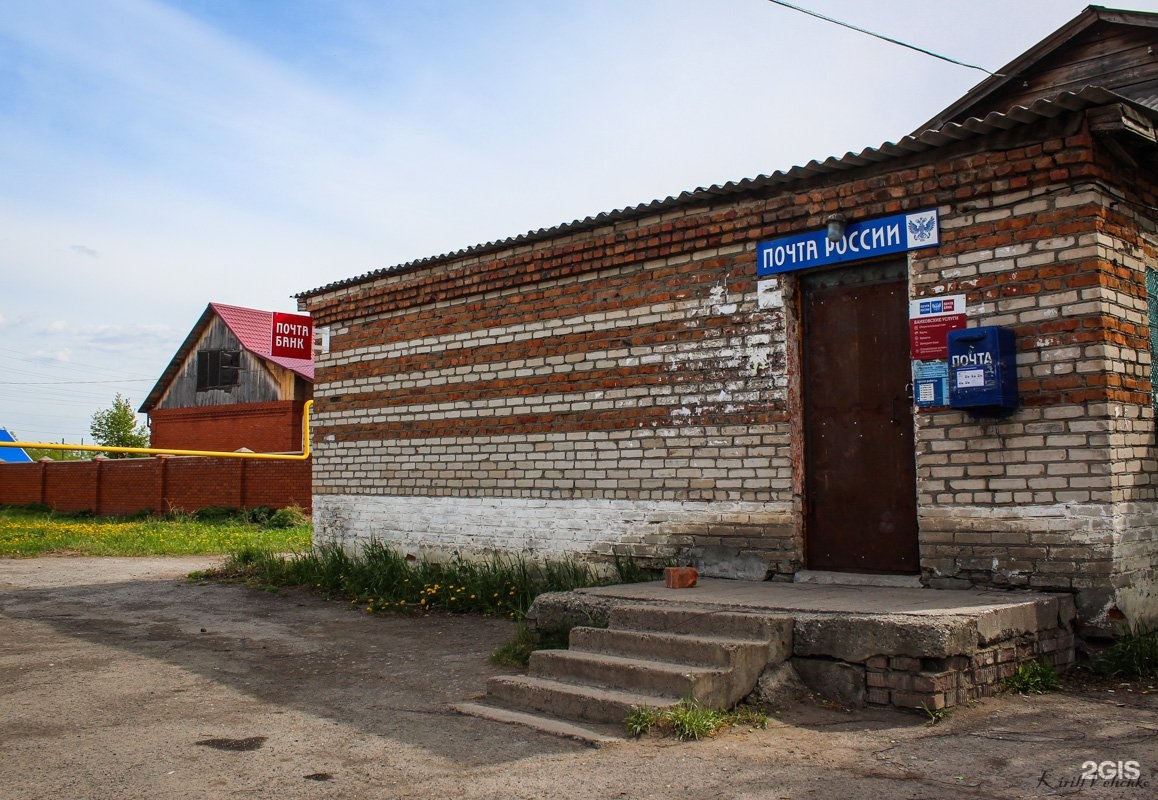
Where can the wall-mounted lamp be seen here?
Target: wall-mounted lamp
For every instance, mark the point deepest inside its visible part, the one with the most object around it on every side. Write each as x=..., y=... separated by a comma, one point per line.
x=836, y=224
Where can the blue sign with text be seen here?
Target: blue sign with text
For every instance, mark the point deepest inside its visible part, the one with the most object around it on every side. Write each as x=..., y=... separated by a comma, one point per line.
x=875, y=237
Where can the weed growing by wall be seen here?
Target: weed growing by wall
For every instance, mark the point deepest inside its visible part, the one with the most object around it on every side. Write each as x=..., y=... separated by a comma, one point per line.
x=379, y=579
x=1134, y=654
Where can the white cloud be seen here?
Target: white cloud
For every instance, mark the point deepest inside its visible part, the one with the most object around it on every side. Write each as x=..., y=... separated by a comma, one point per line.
x=133, y=337
x=52, y=356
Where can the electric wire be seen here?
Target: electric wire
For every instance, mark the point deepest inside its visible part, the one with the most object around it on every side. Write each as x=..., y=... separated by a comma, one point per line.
x=55, y=399
x=73, y=383
x=884, y=38
x=70, y=367
x=51, y=370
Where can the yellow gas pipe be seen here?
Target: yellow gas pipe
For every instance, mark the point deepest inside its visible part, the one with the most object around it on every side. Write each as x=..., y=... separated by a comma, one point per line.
x=159, y=451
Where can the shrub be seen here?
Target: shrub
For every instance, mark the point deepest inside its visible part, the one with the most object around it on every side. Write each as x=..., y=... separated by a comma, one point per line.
x=288, y=517
x=258, y=515
x=219, y=514
x=32, y=508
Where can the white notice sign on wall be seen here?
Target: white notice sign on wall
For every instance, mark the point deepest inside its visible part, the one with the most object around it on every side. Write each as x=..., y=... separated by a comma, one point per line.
x=970, y=378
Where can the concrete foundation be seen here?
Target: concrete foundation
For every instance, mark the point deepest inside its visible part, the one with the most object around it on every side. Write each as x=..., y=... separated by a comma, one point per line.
x=870, y=645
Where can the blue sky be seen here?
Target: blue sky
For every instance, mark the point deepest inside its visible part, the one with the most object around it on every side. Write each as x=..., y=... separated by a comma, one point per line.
x=157, y=156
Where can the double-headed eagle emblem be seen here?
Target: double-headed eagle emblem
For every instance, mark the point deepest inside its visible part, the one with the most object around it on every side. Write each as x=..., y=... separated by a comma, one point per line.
x=921, y=229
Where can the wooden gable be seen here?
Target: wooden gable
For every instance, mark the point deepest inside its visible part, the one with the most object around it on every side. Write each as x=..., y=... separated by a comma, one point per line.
x=1115, y=50
x=257, y=380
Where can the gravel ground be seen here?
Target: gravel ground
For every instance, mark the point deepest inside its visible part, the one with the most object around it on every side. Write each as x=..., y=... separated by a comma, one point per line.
x=123, y=679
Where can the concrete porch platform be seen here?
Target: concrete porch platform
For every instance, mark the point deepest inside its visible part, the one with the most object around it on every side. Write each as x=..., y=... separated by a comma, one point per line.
x=828, y=598
x=867, y=645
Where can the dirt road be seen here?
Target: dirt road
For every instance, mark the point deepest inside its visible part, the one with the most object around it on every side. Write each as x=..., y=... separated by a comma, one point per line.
x=121, y=679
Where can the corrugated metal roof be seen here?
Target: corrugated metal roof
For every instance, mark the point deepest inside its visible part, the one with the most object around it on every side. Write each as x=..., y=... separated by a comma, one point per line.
x=253, y=329
x=1046, y=108
x=1145, y=95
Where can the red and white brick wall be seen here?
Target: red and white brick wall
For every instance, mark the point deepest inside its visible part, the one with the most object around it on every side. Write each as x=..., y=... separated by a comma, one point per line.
x=623, y=384
x=639, y=403
x=1059, y=495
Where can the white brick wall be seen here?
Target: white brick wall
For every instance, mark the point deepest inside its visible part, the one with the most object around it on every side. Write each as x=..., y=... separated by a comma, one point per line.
x=751, y=464
x=469, y=525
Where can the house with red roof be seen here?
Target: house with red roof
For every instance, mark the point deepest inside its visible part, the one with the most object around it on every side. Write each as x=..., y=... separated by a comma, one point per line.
x=225, y=390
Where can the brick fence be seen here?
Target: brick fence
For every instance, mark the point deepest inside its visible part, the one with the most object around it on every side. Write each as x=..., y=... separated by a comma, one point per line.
x=127, y=486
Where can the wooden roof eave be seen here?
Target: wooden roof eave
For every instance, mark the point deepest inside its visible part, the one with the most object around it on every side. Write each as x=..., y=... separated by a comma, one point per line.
x=157, y=393
x=1089, y=17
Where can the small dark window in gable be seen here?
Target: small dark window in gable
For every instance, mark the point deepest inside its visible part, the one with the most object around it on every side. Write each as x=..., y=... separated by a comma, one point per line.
x=218, y=369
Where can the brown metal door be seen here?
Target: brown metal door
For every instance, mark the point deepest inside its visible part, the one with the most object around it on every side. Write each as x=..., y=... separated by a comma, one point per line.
x=860, y=474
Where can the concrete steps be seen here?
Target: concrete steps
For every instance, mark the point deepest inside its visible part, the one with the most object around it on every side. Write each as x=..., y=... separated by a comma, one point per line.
x=588, y=733
x=650, y=656
x=568, y=700
x=636, y=675
x=858, y=644
x=677, y=648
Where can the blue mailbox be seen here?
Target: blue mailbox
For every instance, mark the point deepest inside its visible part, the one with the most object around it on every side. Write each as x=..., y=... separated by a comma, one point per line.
x=982, y=370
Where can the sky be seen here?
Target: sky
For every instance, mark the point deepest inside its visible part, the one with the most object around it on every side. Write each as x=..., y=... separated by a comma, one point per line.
x=156, y=156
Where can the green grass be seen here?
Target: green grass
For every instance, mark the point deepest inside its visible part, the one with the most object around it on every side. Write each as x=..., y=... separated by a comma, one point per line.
x=1034, y=677
x=688, y=720
x=642, y=720
x=379, y=579
x=935, y=715
x=517, y=652
x=33, y=532
x=1134, y=654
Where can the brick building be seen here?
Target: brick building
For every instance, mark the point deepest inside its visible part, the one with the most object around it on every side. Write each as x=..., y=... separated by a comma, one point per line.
x=683, y=378
x=225, y=390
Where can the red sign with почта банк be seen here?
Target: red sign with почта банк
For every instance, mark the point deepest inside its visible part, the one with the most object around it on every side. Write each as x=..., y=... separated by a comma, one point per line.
x=292, y=336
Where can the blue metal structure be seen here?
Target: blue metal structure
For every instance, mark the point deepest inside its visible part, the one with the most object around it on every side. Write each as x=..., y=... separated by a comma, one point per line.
x=12, y=455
